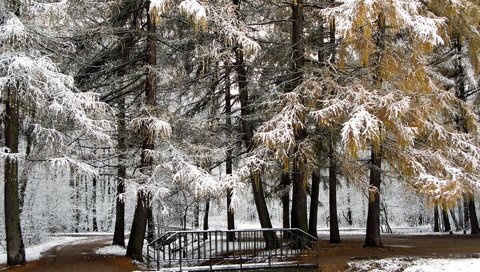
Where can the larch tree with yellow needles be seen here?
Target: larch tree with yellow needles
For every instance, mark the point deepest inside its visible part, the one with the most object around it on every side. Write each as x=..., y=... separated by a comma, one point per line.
x=392, y=105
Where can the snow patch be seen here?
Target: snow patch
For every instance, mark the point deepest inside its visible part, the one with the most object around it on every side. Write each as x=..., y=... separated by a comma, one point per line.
x=112, y=250
x=35, y=252
x=415, y=265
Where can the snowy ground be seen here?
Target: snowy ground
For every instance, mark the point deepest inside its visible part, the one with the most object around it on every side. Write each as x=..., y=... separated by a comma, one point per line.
x=34, y=252
x=416, y=265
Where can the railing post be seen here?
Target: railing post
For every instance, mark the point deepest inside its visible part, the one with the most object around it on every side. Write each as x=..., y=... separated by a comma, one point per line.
x=158, y=256
x=180, y=249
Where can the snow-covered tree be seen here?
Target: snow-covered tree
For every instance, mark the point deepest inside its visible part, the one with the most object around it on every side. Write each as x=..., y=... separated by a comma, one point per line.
x=37, y=95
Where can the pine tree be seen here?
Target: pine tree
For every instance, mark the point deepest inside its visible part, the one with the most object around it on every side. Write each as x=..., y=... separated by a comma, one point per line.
x=32, y=82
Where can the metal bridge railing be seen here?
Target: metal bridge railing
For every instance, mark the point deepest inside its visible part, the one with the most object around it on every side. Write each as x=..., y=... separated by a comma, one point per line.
x=232, y=249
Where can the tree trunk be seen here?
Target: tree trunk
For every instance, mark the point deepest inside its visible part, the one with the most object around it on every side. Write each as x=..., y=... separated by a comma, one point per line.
x=13, y=231
x=455, y=221
x=332, y=180
x=285, y=183
x=271, y=239
x=119, y=234
x=229, y=162
x=205, y=218
x=466, y=214
x=474, y=228
x=196, y=216
x=332, y=196
x=460, y=214
x=299, y=195
x=372, y=238
x=94, y=205
x=446, y=221
x=135, y=247
x=436, y=221
x=312, y=223
x=139, y=225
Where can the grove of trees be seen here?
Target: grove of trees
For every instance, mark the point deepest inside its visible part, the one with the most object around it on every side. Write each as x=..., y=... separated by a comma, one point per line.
x=133, y=115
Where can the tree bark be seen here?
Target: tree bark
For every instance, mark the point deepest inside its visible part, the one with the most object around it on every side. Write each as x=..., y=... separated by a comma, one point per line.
x=94, y=205
x=299, y=195
x=229, y=161
x=119, y=234
x=139, y=225
x=460, y=213
x=13, y=231
x=372, y=238
x=332, y=196
x=271, y=239
x=285, y=183
x=466, y=214
x=135, y=247
x=312, y=223
x=446, y=221
x=474, y=228
x=436, y=221
x=205, y=218
x=455, y=221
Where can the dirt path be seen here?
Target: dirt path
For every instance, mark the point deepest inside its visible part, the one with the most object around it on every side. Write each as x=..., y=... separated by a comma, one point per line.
x=78, y=256
x=335, y=257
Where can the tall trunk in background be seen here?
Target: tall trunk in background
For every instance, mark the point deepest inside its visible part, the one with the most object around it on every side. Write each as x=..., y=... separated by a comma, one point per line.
x=205, y=218
x=119, y=234
x=228, y=161
x=466, y=214
x=436, y=220
x=460, y=213
x=312, y=223
x=94, y=205
x=299, y=195
x=372, y=238
x=469, y=200
x=245, y=111
x=140, y=218
x=196, y=215
x=11, y=120
x=474, y=228
x=446, y=221
x=285, y=183
x=332, y=196
x=454, y=218
x=13, y=231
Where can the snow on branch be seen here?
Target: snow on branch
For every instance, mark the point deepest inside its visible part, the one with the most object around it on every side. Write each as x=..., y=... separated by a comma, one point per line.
x=159, y=6
x=12, y=30
x=362, y=128
x=5, y=153
x=151, y=127
x=278, y=133
x=80, y=167
x=234, y=31
x=195, y=13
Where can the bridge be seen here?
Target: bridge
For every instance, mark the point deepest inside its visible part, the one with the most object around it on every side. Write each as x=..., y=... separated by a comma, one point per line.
x=223, y=250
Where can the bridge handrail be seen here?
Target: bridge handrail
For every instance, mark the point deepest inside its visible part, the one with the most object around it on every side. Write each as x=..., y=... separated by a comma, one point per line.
x=213, y=247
